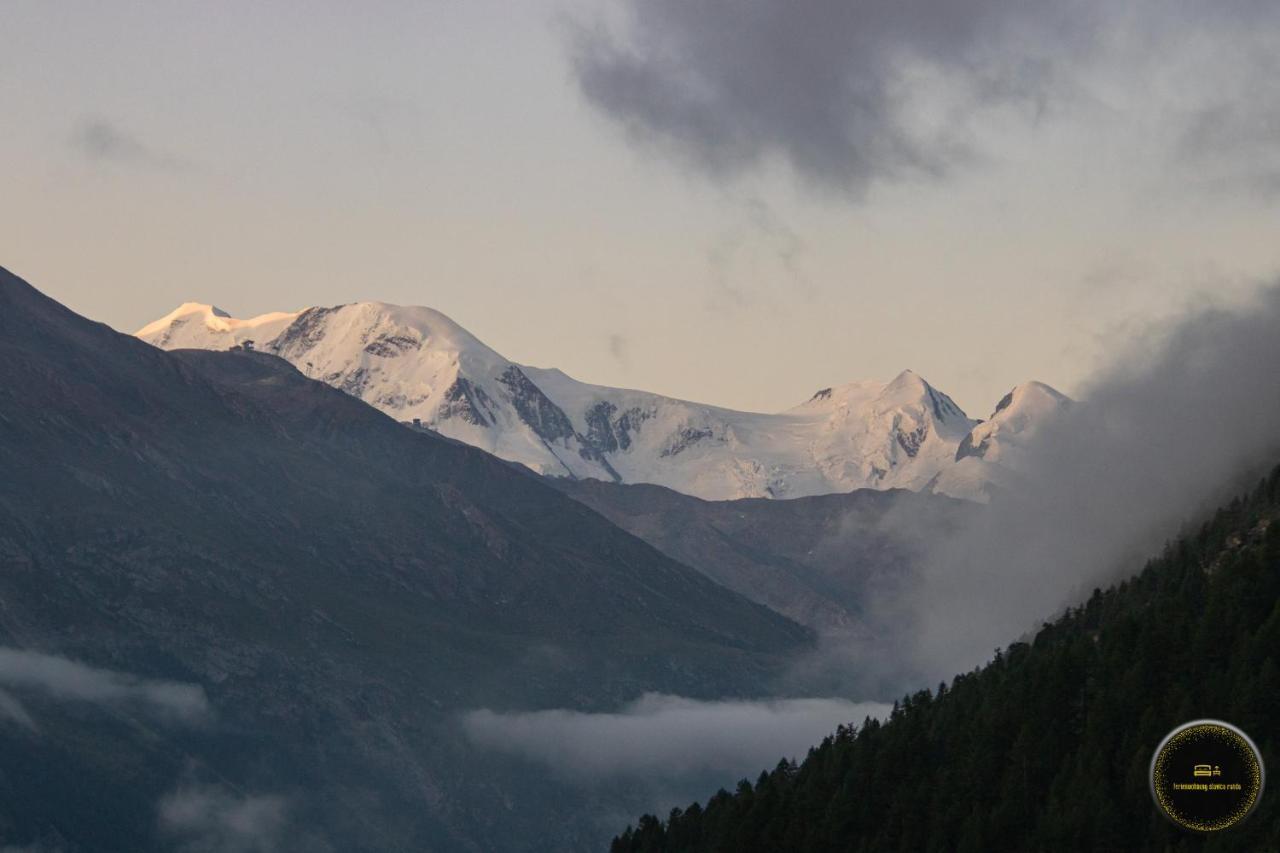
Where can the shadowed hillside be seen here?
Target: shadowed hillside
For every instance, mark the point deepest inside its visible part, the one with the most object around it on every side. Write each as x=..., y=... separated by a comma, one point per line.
x=336, y=585
x=814, y=559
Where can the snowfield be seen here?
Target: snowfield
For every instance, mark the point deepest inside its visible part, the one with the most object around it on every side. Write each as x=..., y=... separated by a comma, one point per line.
x=416, y=364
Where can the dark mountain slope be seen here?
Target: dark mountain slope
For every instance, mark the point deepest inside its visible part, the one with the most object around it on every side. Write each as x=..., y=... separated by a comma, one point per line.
x=1047, y=747
x=811, y=558
x=337, y=584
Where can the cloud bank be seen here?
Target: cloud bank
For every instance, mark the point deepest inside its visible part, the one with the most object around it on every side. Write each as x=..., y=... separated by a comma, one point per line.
x=66, y=679
x=1187, y=416
x=660, y=736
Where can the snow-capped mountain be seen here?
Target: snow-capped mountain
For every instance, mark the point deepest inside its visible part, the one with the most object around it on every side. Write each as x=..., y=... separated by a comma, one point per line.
x=1004, y=436
x=417, y=365
x=990, y=456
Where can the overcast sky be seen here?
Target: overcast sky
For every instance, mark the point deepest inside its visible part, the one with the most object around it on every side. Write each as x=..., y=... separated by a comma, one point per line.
x=733, y=201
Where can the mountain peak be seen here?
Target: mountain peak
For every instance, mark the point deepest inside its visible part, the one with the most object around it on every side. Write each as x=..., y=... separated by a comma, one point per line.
x=909, y=388
x=1017, y=417
x=418, y=365
x=907, y=381
x=209, y=316
x=837, y=397
x=1031, y=394
x=186, y=309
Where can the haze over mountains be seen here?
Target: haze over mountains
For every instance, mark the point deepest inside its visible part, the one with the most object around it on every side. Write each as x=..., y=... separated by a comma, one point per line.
x=415, y=363
x=234, y=589
x=285, y=600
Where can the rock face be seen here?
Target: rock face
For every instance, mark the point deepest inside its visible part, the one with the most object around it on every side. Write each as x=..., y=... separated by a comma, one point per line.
x=338, y=587
x=417, y=364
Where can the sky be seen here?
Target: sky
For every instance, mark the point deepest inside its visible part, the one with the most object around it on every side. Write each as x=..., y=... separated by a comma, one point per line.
x=731, y=201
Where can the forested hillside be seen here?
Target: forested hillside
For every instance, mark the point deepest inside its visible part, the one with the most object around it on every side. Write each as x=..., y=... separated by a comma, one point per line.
x=1047, y=747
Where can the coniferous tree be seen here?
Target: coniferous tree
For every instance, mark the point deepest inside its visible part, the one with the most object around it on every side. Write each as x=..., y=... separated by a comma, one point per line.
x=1047, y=747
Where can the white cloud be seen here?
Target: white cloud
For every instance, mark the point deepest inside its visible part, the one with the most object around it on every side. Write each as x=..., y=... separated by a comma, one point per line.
x=204, y=819
x=66, y=679
x=660, y=735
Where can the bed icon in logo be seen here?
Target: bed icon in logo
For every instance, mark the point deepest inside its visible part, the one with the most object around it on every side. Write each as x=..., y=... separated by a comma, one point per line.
x=1207, y=776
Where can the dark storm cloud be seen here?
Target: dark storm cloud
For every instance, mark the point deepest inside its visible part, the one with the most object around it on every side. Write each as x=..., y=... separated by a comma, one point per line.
x=851, y=93
x=827, y=85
